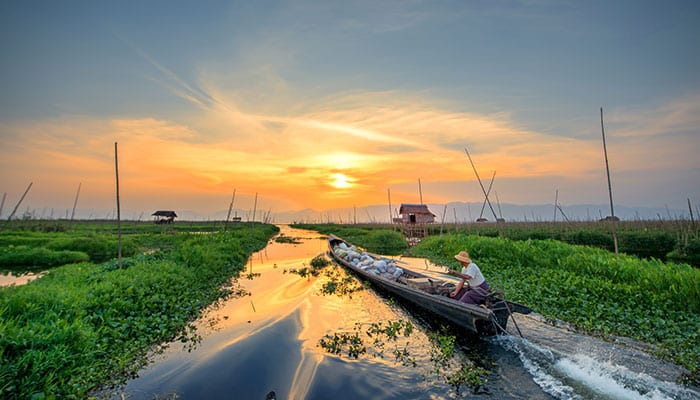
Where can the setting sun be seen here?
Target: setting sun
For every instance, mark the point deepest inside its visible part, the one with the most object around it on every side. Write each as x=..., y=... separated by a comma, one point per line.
x=340, y=181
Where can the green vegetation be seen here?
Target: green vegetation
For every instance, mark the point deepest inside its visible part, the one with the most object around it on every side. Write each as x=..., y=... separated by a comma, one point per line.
x=687, y=253
x=677, y=241
x=85, y=325
x=37, y=251
x=648, y=300
x=375, y=239
x=445, y=364
x=99, y=247
x=647, y=239
x=336, y=279
x=282, y=238
x=26, y=258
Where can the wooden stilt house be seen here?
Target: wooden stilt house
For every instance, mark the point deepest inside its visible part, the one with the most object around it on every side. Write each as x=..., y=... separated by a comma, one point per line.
x=164, y=217
x=414, y=214
x=412, y=219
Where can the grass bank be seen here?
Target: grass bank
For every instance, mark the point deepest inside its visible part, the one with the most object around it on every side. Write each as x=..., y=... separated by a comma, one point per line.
x=89, y=324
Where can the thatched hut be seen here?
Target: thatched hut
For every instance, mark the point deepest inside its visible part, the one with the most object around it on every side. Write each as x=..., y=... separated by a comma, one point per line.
x=164, y=217
x=414, y=214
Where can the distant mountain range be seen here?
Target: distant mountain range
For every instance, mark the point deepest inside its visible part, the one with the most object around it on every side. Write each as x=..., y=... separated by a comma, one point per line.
x=456, y=211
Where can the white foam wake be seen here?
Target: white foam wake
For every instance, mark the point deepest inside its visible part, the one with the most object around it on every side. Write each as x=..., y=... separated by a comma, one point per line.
x=581, y=376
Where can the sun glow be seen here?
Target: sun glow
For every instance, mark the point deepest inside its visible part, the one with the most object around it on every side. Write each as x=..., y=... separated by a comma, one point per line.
x=340, y=181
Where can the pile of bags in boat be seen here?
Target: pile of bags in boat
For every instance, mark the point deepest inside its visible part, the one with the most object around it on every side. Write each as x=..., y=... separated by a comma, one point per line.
x=365, y=261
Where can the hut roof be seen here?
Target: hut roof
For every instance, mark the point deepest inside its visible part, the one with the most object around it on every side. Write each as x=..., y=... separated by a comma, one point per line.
x=414, y=209
x=162, y=213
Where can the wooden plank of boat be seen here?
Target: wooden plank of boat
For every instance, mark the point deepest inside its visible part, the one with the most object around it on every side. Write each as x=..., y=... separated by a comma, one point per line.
x=426, y=292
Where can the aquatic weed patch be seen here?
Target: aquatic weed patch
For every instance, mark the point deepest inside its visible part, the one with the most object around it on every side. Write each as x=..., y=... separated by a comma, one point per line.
x=372, y=340
x=340, y=282
x=336, y=280
x=84, y=326
x=647, y=300
x=282, y=238
x=316, y=265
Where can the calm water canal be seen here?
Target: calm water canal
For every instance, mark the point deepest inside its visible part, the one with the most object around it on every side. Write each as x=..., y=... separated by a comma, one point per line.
x=267, y=343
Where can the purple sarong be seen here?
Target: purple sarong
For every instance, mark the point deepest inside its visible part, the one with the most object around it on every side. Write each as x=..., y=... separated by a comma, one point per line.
x=475, y=295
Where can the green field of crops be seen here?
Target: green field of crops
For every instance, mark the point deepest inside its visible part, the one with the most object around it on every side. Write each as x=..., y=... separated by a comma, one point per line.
x=89, y=322
x=677, y=241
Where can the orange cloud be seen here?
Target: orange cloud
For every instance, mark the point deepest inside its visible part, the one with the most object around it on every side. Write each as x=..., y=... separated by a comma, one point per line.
x=341, y=152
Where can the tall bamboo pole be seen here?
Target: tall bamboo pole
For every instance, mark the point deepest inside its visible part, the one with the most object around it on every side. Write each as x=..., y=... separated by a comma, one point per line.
x=562, y=213
x=420, y=192
x=498, y=203
x=230, y=206
x=12, y=214
x=442, y=222
x=483, y=204
x=75, y=203
x=692, y=221
x=391, y=217
x=2, y=204
x=486, y=195
x=556, y=201
x=607, y=169
x=255, y=205
x=371, y=218
x=119, y=222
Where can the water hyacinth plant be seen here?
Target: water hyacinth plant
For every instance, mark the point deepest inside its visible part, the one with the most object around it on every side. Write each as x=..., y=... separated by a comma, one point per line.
x=85, y=325
x=648, y=300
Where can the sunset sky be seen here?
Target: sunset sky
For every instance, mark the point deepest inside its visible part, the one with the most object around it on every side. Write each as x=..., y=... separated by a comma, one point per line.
x=324, y=104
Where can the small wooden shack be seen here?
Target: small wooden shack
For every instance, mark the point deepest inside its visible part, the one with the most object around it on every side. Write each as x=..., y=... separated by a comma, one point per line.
x=412, y=220
x=414, y=214
x=164, y=217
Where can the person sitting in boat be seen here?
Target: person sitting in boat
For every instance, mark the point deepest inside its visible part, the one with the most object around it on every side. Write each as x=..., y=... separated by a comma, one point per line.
x=472, y=289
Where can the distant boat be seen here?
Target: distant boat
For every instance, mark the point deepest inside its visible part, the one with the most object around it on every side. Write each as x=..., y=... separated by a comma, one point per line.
x=426, y=292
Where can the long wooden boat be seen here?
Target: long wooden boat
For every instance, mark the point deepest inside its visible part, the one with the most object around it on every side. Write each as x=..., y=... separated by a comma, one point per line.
x=431, y=294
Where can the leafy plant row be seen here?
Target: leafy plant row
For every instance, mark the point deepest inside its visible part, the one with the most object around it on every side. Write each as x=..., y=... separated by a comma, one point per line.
x=648, y=300
x=380, y=241
x=31, y=251
x=647, y=239
x=85, y=325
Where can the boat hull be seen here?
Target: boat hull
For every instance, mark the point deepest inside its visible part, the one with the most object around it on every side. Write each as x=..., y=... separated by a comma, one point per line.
x=488, y=319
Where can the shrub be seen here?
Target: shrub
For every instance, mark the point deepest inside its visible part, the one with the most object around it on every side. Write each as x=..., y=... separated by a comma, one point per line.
x=99, y=247
x=689, y=253
x=647, y=244
x=385, y=242
x=598, y=239
x=32, y=258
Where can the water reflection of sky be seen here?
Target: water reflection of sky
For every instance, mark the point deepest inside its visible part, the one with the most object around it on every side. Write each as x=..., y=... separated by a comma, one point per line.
x=268, y=341
x=8, y=278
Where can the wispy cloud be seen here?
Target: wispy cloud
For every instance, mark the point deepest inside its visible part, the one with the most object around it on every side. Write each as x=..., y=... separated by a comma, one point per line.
x=297, y=158
x=294, y=147
x=673, y=117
